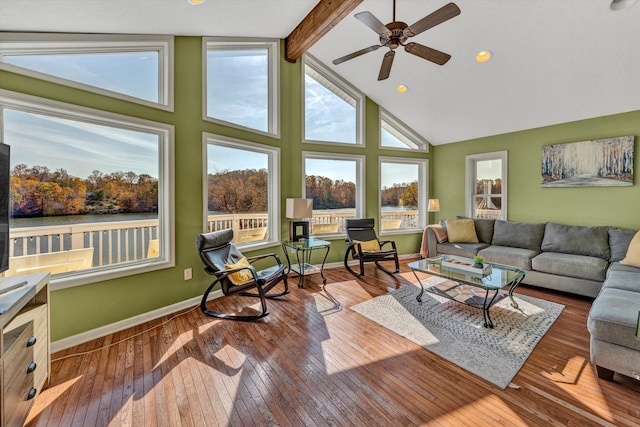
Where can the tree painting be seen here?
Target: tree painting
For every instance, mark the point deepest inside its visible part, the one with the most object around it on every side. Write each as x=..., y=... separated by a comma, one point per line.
x=596, y=163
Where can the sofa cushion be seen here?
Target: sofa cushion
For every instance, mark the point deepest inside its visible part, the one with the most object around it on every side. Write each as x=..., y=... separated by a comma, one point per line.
x=614, y=317
x=467, y=250
x=577, y=240
x=580, y=266
x=515, y=257
x=623, y=280
x=616, y=266
x=518, y=235
x=619, y=240
x=461, y=231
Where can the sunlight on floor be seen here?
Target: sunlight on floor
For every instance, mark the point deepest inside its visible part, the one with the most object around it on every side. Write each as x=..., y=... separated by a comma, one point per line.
x=49, y=395
x=492, y=404
x=575, y=377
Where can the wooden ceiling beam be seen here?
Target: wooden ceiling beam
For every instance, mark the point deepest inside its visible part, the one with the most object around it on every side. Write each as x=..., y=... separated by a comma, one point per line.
x=323, y=17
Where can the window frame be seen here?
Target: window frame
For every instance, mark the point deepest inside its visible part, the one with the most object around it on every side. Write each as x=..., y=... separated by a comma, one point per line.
x=235, y=43
x=421, y=144
x=342, y=84
x=166, y=213
x=470, y=180
x=360, y=161
x=273, y=191
x=49, y=43
x=423, y=189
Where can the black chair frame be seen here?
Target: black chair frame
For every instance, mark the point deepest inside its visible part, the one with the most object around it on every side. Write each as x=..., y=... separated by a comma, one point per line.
x=215, y=250
x=361, y=230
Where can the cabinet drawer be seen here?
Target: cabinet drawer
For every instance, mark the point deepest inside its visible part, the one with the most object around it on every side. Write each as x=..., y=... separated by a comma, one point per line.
x=19, y=354
x=19, y=395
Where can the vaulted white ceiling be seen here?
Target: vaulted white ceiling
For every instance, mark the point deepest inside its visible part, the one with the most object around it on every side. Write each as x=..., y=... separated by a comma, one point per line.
x=554, y=61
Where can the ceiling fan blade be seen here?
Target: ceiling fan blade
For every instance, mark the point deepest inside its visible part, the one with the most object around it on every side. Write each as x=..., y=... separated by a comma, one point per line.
x=372, y=22
x=427, y=53
x=387, y=61
x=445, y=13
x=355, y=54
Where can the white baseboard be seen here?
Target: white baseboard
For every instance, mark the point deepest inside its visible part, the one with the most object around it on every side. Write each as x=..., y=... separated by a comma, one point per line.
x=111, y=328
x=127, y=323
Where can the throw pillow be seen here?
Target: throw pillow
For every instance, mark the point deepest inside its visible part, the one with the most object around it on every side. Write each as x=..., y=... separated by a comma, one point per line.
x=369, y=245
x=242, y=276
x=461, y=231
x=633, y=253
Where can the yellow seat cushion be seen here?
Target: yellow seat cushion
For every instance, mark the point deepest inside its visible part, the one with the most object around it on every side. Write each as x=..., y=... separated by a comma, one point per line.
x=633, y=252
x=461, y=231
x=242, y=276
x=369, y=245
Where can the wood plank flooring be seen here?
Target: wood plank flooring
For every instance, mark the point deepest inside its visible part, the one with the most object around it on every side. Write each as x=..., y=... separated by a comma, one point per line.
x=313, y=362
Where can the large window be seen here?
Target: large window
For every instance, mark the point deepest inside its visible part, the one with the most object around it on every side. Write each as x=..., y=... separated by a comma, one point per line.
x=90, y=191
x=395, y=134
x=241, y=83
x=136, y=68
x=242, y=190
x=403, y=194
x=486, y=188
x=336, y=185
x=333, y=109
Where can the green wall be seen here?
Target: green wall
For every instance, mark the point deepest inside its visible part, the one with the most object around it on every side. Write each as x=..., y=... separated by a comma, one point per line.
x=82, y=308
x=527, y=200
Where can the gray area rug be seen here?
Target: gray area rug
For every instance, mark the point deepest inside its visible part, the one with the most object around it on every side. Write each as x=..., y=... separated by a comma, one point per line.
x=454, y=331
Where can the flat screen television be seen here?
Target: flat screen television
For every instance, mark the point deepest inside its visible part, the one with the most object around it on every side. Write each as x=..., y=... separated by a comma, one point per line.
x=5, y=200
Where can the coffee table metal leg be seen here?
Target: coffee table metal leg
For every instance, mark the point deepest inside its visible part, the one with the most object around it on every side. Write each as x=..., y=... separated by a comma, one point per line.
x=488, y=323
x=419, y=297
x=324, y=279
x=512, y=288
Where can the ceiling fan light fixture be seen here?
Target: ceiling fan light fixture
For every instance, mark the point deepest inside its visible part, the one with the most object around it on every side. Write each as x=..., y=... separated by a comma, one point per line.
x=195, y=2
x=622, y=4
x=402, y=88
x=484, y=56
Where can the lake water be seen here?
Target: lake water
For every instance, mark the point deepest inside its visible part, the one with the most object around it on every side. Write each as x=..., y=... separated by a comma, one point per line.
x=79, y=219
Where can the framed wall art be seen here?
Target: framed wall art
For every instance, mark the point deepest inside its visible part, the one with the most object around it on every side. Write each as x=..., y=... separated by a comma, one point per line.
x=596, y=163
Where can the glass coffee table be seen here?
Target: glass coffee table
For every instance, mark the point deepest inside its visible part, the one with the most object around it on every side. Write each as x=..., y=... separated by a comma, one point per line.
x=473, y=288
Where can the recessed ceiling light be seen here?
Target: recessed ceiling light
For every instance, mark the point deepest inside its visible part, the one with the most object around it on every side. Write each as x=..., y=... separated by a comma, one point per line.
x=622, y=4
x=195, y=2
x=483, y=56
x=402, y=88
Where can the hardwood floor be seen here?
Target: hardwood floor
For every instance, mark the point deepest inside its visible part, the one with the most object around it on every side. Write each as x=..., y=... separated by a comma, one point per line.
x=313, y=362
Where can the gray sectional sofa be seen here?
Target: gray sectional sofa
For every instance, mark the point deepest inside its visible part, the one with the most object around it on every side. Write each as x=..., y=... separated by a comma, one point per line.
x=576, y=259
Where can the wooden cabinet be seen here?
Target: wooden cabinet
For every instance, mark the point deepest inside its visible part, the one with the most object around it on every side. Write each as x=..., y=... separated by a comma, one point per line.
x=24, y=347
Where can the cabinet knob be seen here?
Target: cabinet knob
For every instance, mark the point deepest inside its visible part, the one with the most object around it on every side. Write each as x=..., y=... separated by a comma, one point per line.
x=31, y=341
x=32, y=367
x=32, y=393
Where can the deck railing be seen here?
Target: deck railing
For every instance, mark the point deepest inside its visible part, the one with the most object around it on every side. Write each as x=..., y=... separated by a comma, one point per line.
x=122, y=241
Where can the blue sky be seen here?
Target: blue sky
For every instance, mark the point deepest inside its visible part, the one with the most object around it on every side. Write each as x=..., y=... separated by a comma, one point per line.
x=71, y=145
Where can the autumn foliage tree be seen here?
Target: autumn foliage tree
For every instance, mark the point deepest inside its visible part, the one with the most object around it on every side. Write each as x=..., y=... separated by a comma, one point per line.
x=37, y=191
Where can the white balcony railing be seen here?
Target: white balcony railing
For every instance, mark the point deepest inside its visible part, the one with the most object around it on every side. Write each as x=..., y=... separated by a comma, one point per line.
x=122, y=241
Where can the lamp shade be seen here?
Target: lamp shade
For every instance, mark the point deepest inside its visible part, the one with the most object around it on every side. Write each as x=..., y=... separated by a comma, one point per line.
x=299, y=208
x=434, y=205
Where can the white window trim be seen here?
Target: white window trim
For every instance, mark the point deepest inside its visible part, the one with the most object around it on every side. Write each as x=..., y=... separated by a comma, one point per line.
x=338, y=81
x=421, y=144
x=360, y=161
x=273, y=48
x=42, y=43
x=470, y=176
x=423, y=193
x=273, y=192
x=166, y=229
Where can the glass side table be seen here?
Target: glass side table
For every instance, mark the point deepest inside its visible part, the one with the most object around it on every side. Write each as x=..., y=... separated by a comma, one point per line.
x=303, y=250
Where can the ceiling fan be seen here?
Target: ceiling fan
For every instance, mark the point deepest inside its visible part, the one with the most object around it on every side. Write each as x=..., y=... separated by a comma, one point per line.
x=396, y=33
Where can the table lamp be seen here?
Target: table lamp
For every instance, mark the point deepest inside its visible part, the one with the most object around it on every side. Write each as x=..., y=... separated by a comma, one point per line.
x=299, y=209
x=434, y=205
